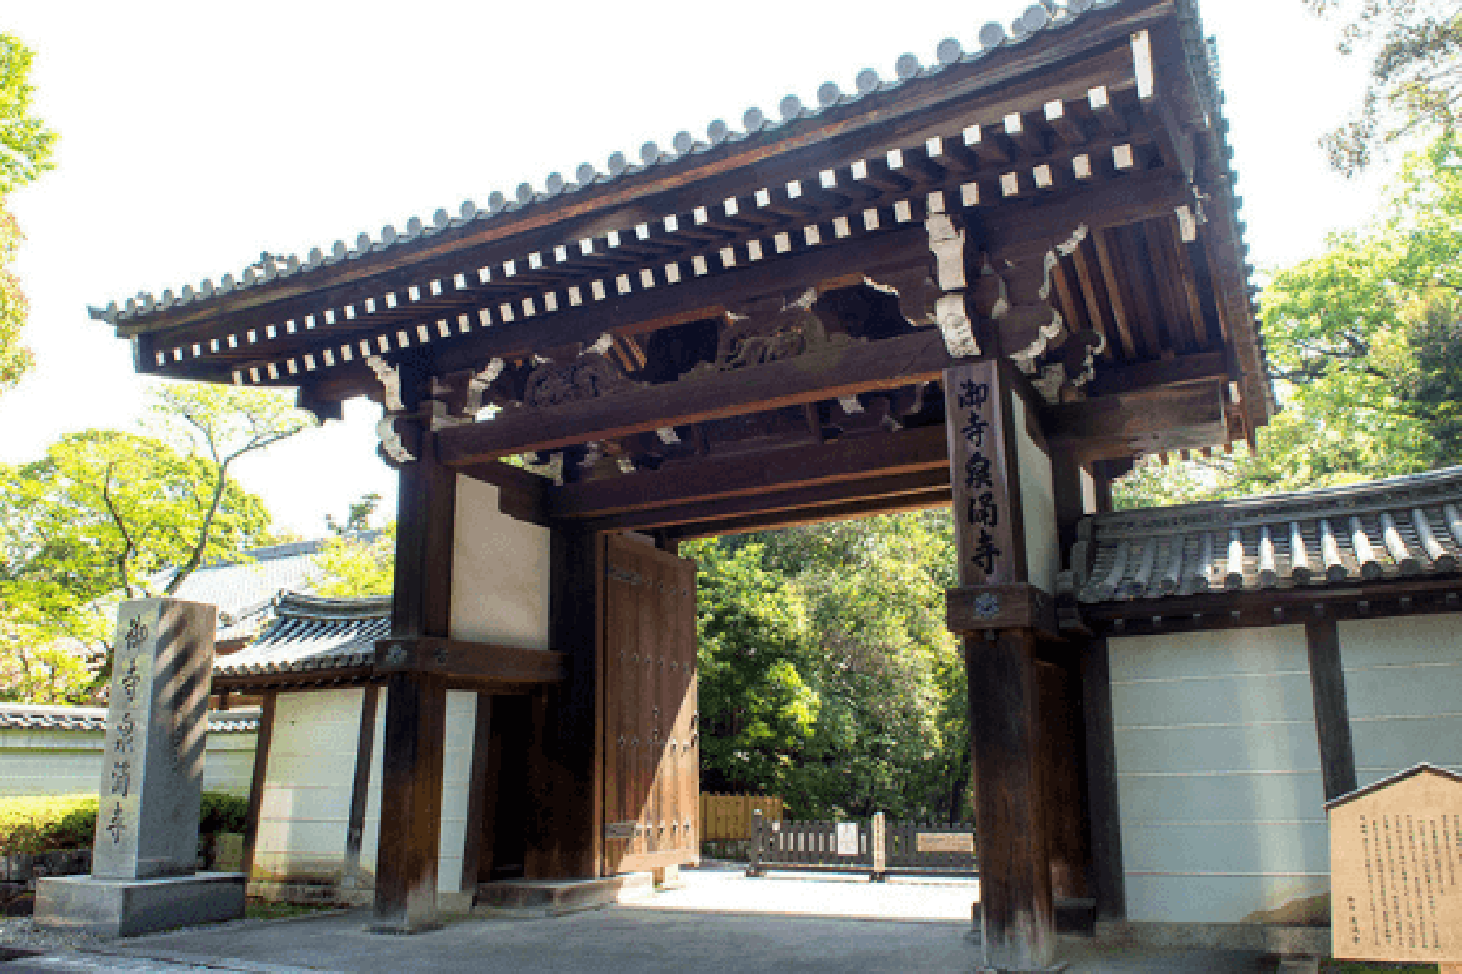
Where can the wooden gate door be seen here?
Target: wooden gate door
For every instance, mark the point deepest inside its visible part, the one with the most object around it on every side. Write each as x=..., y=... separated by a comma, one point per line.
x=651, y=743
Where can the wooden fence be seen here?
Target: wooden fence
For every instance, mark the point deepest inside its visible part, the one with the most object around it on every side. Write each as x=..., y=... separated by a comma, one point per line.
x=873, y=846
x=729, y=816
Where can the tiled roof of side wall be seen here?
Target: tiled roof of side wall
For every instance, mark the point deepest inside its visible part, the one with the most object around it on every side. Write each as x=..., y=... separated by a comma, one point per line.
x=1401, y=527
x=794, y=114
x=15, y=716
x=311, y=633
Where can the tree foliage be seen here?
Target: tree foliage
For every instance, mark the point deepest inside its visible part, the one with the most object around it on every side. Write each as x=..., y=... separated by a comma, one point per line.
x=105, y=515
x=1363, y=343
x=1415, y=82
x=358, y=559
x=25, y=152
x=827, y=674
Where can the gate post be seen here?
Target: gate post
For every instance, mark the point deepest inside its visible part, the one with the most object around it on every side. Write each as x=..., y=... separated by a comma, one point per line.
x=753, y=867
x=998, y=610
x=879, y=842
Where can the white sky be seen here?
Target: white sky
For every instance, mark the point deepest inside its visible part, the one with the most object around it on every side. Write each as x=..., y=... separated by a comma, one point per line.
x=196, y=134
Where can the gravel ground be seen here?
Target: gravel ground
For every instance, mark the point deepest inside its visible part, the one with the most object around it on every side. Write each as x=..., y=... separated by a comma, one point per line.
x=23, y=932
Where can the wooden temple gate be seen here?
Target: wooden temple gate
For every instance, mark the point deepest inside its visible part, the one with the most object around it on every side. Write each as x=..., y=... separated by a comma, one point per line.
x=990, y=283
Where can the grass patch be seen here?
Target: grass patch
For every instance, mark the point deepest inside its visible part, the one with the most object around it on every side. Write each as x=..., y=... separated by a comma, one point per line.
x=51, y=823
x=1369, y=967
x=257, y=909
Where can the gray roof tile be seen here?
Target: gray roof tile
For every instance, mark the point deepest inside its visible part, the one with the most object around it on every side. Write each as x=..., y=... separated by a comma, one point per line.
x=310, y=633
x=907, y=68
x=1385, y=529
x=26, y=716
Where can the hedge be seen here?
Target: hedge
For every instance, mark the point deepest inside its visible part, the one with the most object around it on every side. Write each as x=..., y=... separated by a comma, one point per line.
x=54, y=822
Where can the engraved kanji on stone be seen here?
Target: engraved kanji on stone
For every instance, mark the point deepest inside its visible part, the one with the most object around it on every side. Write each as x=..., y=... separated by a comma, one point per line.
x=984, y=510
x=126, y=735
x=121, y=777
x=973, y=395
x=129, y=682
x=117, y=826
x=985, y=552
x=974, y=430
x=136, y=634
x=977, y=472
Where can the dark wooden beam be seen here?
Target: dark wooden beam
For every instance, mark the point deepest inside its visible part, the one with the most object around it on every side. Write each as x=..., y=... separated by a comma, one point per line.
x=1147, y=421
x=891, y=488
x=1033, y=227
x=1108, y=879
x=458, y=660
x=842, y=371
x=565, y=832
x=1181, y=370
x=713, y=477
x=481, y=795
x=411, y=804
x=360, y=787
x=1332, y=713
x=919, y=500
x=262, y=745
x=1016, y=909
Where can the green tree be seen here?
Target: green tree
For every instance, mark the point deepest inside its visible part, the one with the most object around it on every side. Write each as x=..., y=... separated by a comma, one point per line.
x=25, y=152
x=106, y=515
x=1363, y=346
x=103, y=514
x=358, y=559
x=827, y=674
x=1415, y=82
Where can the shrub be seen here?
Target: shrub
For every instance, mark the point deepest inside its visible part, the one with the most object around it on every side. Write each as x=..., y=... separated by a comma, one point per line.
x=45, y=823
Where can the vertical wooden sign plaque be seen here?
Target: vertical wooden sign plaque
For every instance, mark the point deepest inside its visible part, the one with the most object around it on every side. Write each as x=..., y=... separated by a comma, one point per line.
x=1396, y=869
x=982, y=468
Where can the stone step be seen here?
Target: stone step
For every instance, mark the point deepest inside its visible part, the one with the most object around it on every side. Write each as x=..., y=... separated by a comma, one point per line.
x=556, y=897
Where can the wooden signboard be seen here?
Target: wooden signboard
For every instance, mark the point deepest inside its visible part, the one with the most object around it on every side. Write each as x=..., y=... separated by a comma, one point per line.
x=945, y=842
x=847, y=838
x=1395, y=867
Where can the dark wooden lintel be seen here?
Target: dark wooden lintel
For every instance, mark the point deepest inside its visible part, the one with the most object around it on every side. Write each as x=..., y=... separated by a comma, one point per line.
x=1146, y=421
x=935, y=497
x=455, y=659
x=1180, y=370
x=713, y=477
x=841, y=371
x=894, y=488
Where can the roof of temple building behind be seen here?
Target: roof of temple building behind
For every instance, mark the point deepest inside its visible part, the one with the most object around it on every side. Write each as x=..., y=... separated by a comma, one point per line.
x=1056, y=192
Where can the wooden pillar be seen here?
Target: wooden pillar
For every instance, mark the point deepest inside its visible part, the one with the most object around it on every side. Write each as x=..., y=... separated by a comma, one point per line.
x=416, y=703
x=262, y=745
x=1017, y=925
x=1332, y=712
x=1108, y=880
x=999, y=613
x=365, y=746
x=564, y=837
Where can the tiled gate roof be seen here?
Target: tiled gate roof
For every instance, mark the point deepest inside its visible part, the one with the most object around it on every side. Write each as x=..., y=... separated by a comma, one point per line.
x=1386, y=529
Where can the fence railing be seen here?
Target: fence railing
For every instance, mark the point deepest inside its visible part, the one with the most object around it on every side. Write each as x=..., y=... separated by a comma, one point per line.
x=874, y=846
x=728, y=817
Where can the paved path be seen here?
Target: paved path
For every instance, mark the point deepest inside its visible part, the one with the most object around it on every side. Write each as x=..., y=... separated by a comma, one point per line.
x=720, y=921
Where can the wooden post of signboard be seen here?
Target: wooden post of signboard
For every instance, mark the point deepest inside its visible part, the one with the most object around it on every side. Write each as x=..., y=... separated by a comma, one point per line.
x=1396, y=870
x=997, y=611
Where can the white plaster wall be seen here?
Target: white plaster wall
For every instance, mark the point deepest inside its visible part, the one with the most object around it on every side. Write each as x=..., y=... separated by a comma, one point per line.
x=1403, y=687
x=1218, y=771
x=305, y=808
x=456, y=780
x=499, y=572
x=1037, y=506
x=60, y=762
x=1088, y=492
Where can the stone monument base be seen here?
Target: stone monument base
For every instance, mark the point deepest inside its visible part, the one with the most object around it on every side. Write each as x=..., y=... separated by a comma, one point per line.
x=128, y=907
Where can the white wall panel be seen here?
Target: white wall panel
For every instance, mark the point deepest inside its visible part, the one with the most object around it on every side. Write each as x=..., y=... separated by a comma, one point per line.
x=1218, y=774
x=305, y=807
x=69, y=762
x=1403, y=686
x=499, y=572
x=1037, y=506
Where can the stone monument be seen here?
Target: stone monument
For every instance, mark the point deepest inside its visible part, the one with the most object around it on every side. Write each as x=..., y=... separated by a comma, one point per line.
x=144, y=856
